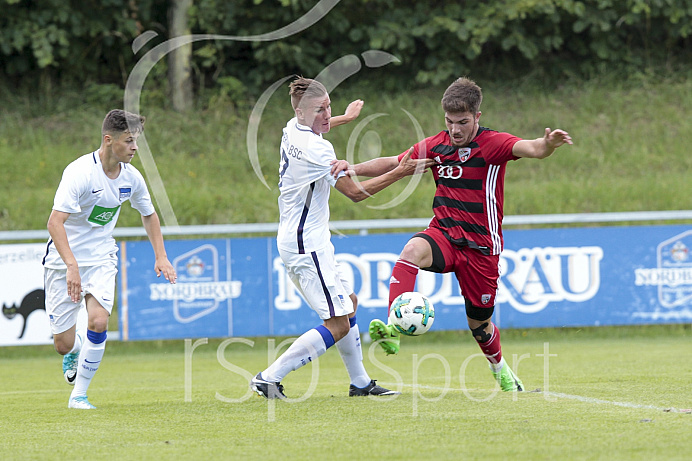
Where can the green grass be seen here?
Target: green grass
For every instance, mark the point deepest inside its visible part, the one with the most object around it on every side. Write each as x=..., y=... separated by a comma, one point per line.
x=630, y=152
x=626, y=378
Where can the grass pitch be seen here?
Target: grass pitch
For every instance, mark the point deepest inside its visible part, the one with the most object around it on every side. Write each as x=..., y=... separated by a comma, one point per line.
x=609, y=393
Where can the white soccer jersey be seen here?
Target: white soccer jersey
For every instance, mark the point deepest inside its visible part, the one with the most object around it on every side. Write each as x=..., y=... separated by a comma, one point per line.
x=93, y=201
x=304, y=186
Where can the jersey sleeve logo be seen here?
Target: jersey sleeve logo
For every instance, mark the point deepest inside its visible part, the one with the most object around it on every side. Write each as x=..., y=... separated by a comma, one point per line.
x=102, y=216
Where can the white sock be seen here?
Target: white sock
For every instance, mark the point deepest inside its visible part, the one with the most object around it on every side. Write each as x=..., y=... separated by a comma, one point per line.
x=77, y=343
x=496, y=367
x=308, y=346
x=89, y=360
x=352, y=355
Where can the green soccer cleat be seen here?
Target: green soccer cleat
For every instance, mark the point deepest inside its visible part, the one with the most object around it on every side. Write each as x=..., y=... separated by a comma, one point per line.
x=385, y=335
x=506, y=378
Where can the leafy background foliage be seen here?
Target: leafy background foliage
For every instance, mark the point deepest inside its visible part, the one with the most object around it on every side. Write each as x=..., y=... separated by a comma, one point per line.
x=48, y=43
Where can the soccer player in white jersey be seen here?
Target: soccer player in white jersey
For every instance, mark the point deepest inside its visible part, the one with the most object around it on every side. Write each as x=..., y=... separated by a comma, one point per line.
x=304, y=239
x=80, y=264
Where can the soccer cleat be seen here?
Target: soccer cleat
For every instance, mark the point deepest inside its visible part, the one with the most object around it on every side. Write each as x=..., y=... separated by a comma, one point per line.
x=385, y=335
x=370, y=389
x=80, y=403
x=267, y=389
x=69, y=367
x=507, y=380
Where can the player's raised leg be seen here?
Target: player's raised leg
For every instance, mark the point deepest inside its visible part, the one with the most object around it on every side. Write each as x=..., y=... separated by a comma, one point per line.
x=417, y=253
x=403, y=280
x=63, y=313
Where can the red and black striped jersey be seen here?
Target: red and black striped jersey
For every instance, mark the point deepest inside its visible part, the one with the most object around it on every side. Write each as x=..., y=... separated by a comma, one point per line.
x=469, y=199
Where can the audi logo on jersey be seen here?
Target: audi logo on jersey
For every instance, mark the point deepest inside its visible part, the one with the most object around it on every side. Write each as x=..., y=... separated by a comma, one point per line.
x=449, y=171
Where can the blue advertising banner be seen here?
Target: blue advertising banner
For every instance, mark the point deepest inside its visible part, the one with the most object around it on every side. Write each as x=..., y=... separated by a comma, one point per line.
x=596, y=276
x=550, y=278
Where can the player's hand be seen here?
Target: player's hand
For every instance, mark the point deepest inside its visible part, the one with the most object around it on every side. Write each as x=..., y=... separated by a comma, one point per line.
x=164, y=266
x=556, y=138
x=74, y=284
x=353, y=110
x=341, y=165
x=410, y=166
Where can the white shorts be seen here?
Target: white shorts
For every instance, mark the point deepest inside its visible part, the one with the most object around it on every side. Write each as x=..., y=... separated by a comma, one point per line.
x=98, y=281
x=321, y=281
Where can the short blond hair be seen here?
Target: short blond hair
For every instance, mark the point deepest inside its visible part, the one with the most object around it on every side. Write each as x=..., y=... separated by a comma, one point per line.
x=303, y=87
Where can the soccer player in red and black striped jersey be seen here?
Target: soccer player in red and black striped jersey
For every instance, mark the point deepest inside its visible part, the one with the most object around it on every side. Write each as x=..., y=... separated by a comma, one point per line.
x=465, y=236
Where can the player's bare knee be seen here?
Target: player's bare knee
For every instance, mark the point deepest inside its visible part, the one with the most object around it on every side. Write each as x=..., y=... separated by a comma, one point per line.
x=63, y=343
x=417, y=251
x=62, y=348
x=98, y=325
x=413, y=252
x=408, y=253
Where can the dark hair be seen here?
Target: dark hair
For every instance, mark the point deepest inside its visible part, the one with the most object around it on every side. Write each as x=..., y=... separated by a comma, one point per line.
x=463, y=95
x=120, y=121
x=305, y=87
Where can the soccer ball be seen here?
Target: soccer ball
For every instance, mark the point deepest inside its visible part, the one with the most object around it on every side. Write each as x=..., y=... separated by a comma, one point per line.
x=412, y=314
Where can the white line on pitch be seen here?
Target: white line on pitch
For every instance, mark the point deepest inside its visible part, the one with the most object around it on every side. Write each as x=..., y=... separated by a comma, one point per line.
x=581, y=398
x=571, y=397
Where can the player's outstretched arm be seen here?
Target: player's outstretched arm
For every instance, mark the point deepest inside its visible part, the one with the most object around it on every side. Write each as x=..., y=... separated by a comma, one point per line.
x=358, y=191
x=376, y=167
x=541, y=147
x=369, y=169
x=162, y=265
x=352, y=113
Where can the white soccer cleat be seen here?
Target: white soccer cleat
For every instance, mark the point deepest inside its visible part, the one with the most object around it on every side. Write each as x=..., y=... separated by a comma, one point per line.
x=80, y=403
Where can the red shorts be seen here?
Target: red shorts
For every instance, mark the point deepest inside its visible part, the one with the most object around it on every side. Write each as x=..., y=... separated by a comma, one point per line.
x=477, y=273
